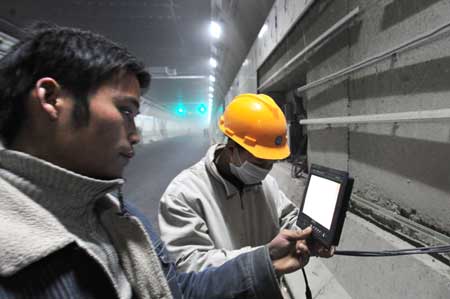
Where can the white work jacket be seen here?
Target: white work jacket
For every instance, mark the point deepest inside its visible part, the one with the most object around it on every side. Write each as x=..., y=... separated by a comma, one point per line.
x=205, y=220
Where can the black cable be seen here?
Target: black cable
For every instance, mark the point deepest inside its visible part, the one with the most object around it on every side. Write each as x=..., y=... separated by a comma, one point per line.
x=419, y=250
x=397, y=252
x=308, y=290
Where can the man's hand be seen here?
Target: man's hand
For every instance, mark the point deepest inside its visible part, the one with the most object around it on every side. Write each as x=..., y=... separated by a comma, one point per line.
x=288, y=250
x=317, y=249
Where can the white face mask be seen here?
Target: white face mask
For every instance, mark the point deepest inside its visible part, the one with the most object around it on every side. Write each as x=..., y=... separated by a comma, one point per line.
x=248, y=173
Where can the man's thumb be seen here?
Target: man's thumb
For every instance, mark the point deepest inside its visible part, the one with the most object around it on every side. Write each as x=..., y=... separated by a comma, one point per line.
x=294, y=235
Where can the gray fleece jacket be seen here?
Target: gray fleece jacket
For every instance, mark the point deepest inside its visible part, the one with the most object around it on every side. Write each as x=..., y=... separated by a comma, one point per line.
x=44, y=208
x=205, y=220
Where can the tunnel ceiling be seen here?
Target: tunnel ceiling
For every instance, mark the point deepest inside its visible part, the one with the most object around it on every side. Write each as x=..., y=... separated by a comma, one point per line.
x=170, y=36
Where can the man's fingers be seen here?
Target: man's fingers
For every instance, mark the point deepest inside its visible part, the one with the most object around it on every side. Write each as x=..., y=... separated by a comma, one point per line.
x=318, y=249
x=326, y=252
x=301, y=248
x=303, y=254
x=294, y=235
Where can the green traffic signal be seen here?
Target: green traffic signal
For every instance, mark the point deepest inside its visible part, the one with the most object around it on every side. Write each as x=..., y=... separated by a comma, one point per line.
x=201, y=108
x=180, y=110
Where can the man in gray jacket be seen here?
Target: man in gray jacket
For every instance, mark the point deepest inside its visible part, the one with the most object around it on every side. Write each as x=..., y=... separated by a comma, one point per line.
x=227, y=204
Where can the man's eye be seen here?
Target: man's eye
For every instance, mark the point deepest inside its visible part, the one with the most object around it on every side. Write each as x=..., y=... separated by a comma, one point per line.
x=127, y=112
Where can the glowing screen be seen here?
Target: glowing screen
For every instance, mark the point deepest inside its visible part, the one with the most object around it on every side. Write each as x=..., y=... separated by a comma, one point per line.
x=320, y=200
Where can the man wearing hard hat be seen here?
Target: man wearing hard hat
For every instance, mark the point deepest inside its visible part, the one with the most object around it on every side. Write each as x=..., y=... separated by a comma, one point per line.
x=227, y=204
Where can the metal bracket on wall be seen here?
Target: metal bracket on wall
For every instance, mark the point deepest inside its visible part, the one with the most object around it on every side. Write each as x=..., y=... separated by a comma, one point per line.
x=410, y=116
x=414, y=42
x=317, y=43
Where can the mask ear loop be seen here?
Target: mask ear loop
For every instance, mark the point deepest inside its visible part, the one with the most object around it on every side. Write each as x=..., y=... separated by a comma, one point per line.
x=239, y=157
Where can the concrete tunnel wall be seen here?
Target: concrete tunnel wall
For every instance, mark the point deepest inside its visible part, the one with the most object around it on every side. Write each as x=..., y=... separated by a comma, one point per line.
x=402, y=167
x=399, y=166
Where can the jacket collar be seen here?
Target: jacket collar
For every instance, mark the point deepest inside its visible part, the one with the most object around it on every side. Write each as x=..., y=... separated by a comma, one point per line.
x=24, y=219
x=230, y=189
x=24, y=171
x=28, y=213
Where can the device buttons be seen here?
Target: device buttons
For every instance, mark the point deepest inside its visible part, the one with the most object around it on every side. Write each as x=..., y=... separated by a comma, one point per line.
x=302, y=223
x=317, y=230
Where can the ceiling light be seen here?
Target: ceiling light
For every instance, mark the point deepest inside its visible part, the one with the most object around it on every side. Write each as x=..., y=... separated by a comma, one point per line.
x=262, y=31
x=213, y=62
x=215, y=29
x=245, y=62
x=211, y=89
x=210, y=102
x=212, y=78
x=6, y=43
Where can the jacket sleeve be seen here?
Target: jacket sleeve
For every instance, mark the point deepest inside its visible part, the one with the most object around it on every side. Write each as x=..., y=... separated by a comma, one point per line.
x=186, y=236
x=287, y=211
x=250, y=275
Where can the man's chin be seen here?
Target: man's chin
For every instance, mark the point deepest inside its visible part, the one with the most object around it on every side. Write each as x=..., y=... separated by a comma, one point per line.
x=113, y=175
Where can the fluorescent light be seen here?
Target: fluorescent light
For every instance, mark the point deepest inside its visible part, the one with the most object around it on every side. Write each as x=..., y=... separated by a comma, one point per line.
x=211, y=89
x=6, y=43
x=210, y=95
x=210, y=102
x=262, y=31
x=212, y=78
x=213, y=62
x=215, y=29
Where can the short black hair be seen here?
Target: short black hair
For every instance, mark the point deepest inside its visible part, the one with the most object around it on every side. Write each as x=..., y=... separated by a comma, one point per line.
x=79, y=60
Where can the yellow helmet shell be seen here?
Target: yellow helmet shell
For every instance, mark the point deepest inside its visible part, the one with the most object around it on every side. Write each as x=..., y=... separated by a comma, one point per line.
x=256, y=123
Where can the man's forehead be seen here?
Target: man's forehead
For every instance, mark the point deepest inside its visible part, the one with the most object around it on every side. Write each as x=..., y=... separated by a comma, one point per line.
x=124, y=88
x=125, y=81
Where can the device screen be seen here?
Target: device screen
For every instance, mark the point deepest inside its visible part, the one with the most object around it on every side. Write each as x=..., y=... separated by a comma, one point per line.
x=320, y=200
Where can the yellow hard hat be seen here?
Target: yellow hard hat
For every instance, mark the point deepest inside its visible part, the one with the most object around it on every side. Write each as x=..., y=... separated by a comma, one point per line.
x=256, y=123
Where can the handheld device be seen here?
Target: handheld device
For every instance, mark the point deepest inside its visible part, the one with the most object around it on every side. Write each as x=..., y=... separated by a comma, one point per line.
x=325, y=203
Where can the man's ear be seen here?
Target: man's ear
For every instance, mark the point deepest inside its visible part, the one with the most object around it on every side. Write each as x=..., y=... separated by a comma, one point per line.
x=233, y=151
x=229, y=147
x=47, y=91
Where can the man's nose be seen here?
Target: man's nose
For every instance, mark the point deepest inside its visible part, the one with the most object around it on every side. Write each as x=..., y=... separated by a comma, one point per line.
x=134, y=136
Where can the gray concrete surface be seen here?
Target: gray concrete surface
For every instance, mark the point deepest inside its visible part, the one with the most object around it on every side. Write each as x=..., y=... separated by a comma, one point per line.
x=400, y=166
x=155, y=165
x=397, y=165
